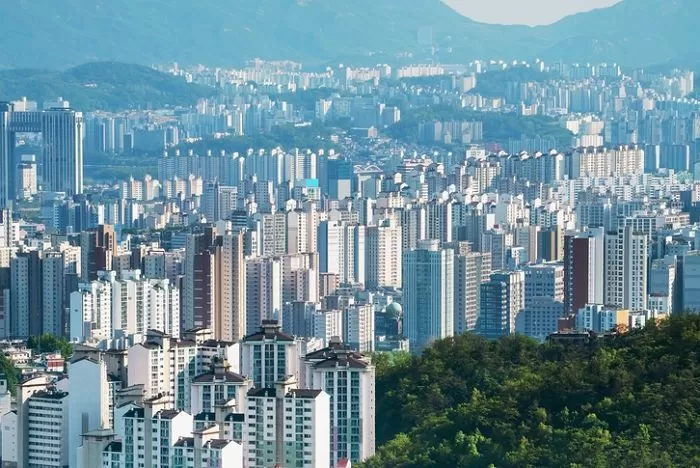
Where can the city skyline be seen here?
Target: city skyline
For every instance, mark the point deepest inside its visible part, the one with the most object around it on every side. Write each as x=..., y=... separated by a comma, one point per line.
x=437, y=249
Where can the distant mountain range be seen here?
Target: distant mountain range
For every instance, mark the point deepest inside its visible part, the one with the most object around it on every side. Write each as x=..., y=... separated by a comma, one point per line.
x=59, y=34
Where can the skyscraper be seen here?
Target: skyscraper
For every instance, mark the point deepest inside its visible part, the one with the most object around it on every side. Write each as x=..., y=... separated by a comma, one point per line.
x=263, y=291
x=97, y=250
x=62, y=131
x=341, y=248
x=471, y=270
x=25, y=295
x=7, y=146
x=358, y=327
x=583, y=270
x=502, y=299
x=383, y=267
x=428, y=282
x=197, y=306
x=348, y=377
x=626, y=259
x=231, y=288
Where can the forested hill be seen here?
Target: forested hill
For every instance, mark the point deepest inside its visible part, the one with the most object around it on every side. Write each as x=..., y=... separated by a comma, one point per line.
x=632, y=401
x=102, y=85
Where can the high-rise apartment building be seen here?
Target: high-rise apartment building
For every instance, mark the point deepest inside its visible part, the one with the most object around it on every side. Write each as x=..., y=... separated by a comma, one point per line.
x=544, y=280
x=46, y=424
x=358, y=327
x=348, y=378
x=428, y=284
x=383, y=245
x=414, y=226
x=439, y=220
x=341, y=248
x=291, y=426
x=471, y=270
x=502, y=300
x=53, y=294
x=272, y=232
x=169, y=366
x=97, y=250
x=584, y=269
x=626, y=262
x=199, y=294
x=263, y=291
x=497, y=241
x=25, y=318
x=230, y=312
x=268, y=355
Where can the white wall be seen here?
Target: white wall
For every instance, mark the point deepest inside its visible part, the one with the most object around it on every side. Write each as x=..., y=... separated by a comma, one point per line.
x=87, y=399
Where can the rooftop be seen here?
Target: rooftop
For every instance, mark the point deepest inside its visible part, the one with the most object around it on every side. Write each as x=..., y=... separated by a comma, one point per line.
x=229, y=377
x=218, y=443
x=185, y=442
x=50, y=394
x=134, y=413
x=167, y=414
x=114, y=446
x=205, y=416
x=270, y=330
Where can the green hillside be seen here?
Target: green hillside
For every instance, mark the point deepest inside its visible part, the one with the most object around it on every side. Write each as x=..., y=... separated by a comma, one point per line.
x=103, y=85
x=632, y=401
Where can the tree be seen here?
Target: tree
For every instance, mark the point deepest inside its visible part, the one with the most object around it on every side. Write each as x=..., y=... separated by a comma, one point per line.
x=48, y=343
x=629, y=402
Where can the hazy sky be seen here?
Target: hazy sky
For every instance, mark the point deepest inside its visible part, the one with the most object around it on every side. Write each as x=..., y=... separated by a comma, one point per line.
x=523, y=11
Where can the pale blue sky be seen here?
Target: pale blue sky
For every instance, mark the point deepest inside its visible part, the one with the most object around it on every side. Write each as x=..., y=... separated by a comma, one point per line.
x=530, y=12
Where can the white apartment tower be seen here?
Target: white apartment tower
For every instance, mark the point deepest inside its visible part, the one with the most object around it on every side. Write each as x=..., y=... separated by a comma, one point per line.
x=383, y=267
x=348, y=378
x=291, y=427
x=46, y=427
x=269, y=355
x=544, y=280
x=341, y=249
x=169, y=366
x=358, y=327
x=626, y=256
x=89, y=401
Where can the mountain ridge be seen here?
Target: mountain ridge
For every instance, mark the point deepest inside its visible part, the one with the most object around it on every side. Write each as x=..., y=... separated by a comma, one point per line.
x=50, y=34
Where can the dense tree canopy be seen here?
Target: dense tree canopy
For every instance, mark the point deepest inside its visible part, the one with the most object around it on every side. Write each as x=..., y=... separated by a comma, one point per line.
x=48, y=343
x=631, y=401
